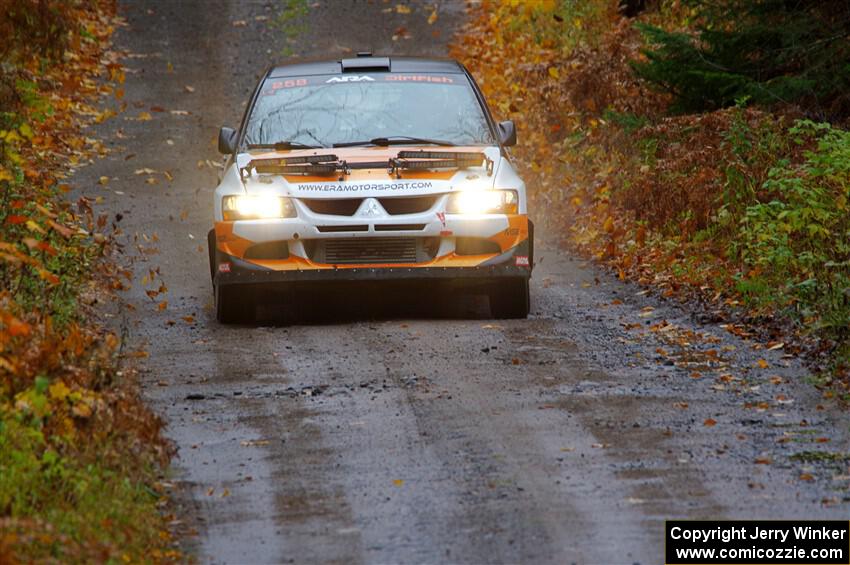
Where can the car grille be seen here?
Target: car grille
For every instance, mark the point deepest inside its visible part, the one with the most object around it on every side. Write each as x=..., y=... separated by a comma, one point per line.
x=348, y=206
x=347, y=251
x=408, y=204
x=333, y=207
x=371, y=250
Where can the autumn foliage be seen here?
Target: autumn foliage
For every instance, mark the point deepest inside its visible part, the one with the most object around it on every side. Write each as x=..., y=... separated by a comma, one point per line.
x=79, y=453
x=741, y=209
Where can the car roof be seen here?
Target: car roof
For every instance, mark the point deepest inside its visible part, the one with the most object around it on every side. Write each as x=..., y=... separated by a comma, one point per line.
x=367, y=62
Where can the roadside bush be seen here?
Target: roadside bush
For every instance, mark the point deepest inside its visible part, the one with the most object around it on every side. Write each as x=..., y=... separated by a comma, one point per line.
x=36, y=26
x=80, y=454
x=741, y=205
x=796, y=242
x=772, y=51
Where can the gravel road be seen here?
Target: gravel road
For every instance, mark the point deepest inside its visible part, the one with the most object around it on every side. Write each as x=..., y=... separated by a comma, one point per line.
x=389, y=429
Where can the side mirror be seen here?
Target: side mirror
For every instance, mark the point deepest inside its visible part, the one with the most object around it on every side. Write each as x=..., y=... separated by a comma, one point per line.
x=507, y=133
x=227, y=141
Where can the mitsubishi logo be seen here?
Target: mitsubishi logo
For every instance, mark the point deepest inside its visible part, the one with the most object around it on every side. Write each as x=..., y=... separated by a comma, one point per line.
x=370, y=208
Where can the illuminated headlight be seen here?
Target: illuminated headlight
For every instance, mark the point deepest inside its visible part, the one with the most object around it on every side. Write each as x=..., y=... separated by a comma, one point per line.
x=483, y=202
x=256, y=207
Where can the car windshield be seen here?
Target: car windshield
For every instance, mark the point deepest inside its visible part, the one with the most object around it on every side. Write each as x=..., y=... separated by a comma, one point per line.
x=338, y=109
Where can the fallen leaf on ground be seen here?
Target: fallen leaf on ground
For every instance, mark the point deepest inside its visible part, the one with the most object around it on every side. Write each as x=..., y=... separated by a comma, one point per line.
x=253, y=442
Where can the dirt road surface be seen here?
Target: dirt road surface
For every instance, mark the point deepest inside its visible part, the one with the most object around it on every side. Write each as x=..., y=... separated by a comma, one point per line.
x=412, y=428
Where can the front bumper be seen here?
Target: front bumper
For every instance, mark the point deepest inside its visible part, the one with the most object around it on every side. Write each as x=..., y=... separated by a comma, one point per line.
x=462, y=275
x=510, y=236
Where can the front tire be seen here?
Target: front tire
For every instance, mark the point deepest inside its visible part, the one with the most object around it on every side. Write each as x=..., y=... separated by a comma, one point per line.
x=510, y=299
x=212, y=252
x=233, y=305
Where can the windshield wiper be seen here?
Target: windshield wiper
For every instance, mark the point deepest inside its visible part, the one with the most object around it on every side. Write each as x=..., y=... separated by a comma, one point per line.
x=395, y=140
x=282, y=146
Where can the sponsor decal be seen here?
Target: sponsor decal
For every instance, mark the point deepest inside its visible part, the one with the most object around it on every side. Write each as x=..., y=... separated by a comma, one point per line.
x=224, y=268
x=291, y=83
x=351, y=78
x=363, y=187
x=522, y=261
x=276, y=86
x=420, y=78
x=444, y=232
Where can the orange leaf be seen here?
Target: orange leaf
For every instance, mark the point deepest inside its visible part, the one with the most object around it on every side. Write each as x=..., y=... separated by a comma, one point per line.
x=18, y=328
x=64, y=231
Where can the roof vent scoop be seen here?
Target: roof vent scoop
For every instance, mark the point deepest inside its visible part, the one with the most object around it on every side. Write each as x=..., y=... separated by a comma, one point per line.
x=365, y=63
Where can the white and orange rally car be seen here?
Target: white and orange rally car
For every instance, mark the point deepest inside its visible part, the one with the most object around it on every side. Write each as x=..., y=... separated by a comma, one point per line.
x=369, y=169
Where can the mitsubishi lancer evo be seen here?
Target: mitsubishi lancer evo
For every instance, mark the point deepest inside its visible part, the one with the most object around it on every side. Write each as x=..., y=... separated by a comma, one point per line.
x=369, y=169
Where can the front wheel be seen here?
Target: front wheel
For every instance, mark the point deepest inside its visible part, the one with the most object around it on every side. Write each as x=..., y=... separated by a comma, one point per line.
x=233, y=304
x=510, y=299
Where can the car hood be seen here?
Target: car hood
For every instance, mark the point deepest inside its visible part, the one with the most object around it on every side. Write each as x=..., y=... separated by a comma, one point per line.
x=376, y=182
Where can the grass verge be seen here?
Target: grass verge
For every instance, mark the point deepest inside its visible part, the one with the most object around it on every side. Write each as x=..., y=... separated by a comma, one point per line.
x=80, y=455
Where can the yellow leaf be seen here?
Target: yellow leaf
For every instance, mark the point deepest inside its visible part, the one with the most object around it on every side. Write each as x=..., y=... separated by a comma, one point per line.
x=82, y=410
x=103, y=181
x=34, y=227
x=433, y=17
x=144, y=117
x=553, y=72
x=402, y=9
x=398, y=482
x=608, y=226
x=58, y=390
x=762, y=363
x=26, y=131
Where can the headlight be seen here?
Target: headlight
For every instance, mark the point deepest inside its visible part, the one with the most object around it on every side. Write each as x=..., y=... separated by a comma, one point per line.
x=483, y=202
x=256, y=207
